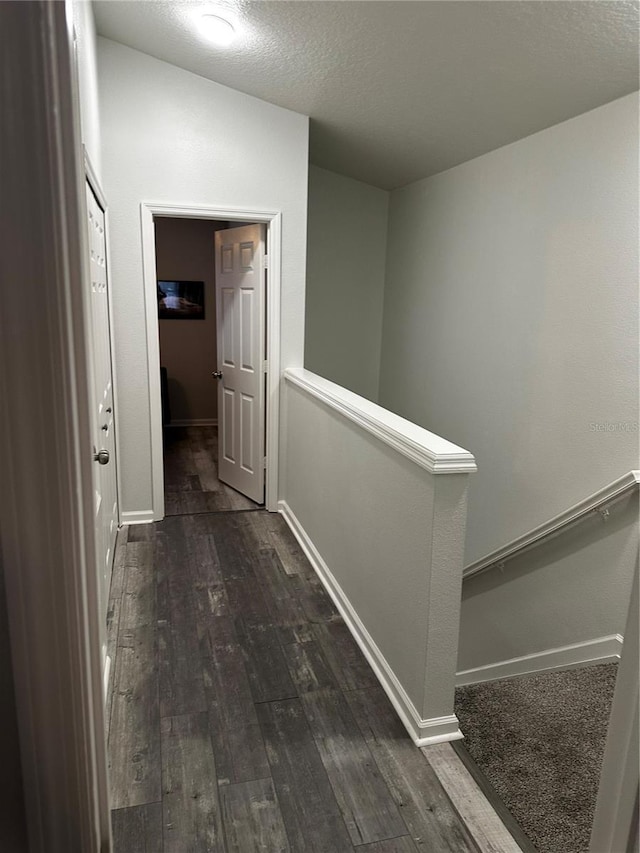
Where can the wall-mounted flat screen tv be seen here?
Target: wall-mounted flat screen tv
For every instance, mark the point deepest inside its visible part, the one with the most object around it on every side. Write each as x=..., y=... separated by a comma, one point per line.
x=180, y=300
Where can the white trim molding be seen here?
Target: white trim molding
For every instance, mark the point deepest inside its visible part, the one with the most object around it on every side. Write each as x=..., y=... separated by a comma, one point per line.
x=92, y=177
x=599, y=650
x=141, y=516
x=273, y=220
x=597, y=502
x=423, y=732
x=615, y=821
x=424, y=448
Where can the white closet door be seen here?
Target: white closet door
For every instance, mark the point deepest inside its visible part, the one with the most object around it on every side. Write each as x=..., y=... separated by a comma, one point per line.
x=106, y=501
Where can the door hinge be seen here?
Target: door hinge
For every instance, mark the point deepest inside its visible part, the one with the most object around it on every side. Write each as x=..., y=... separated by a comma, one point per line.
x=265, y=366
x=265, y=262
x=264, y=463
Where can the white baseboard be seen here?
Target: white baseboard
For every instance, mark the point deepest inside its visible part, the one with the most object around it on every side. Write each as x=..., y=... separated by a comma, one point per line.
x=142, y=516
x=193, y=422
x=423, y=732
x=600, y=650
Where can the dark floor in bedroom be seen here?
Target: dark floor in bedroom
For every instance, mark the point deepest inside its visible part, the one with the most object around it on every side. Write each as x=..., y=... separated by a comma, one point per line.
x=242, y=715
x=191, y=483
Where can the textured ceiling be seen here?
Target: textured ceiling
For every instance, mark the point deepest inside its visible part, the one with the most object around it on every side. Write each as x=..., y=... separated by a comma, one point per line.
x=401, y=90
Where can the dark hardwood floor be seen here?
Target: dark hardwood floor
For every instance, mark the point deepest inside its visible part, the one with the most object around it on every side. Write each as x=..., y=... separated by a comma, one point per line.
x=242, y=715
x=191, y=473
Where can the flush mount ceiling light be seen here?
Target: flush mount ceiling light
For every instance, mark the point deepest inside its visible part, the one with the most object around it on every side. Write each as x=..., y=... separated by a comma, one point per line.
x=217, y=29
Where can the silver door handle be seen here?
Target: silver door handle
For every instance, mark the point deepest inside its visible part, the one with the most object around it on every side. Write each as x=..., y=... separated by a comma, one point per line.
x=102, y=456
x=217, y=374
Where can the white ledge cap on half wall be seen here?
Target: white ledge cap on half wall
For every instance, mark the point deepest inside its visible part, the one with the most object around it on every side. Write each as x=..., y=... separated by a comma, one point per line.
x=426, y=449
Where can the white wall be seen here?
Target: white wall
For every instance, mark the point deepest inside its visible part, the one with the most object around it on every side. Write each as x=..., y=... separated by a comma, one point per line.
x=510, y=321
x=86, y=58
x=346, y=248
x=173, y=137
x=571, y=590
x=390, y=533
x=511, y=328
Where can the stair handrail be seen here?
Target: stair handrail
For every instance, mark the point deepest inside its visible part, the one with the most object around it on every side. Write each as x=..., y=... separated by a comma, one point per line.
x=599, y=501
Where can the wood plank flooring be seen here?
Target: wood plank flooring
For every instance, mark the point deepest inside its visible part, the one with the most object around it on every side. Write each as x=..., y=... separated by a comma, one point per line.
x=191, y=474
x=242, y=715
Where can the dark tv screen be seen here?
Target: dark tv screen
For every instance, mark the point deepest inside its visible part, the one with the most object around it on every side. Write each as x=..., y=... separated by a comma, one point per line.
x=180, y=300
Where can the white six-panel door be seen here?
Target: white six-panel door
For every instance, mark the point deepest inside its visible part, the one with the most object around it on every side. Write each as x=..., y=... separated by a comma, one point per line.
x=104, y=480
x=240, y=305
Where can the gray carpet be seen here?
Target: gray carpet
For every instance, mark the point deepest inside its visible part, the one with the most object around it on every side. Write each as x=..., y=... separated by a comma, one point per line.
x=540, y=740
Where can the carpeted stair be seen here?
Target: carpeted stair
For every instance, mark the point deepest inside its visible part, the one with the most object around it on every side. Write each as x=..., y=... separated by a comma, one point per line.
x=539, y=740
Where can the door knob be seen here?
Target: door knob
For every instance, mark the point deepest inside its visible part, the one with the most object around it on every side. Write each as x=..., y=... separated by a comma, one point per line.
x=102, y=456
x=217, y=374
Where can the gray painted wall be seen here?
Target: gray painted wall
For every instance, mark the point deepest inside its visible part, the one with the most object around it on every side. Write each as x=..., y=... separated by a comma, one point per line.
x=510, y=327
x=185, y=251
x=85, y=32
x=390, y=533
x=571, y=589
x=173, y=137
x=346, y=246
x=510, y=319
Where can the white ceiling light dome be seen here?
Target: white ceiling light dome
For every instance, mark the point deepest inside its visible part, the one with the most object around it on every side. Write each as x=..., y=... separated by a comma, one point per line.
x=217, y=29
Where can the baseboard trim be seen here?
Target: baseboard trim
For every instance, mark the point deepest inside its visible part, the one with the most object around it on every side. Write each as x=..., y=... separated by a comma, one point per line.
x=142, y=516
x=193, y=422
x=599, y=650
x=422, y=731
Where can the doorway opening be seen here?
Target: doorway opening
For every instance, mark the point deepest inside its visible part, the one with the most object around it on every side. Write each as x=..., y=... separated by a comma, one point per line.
x=212, y=288
x=210, y=375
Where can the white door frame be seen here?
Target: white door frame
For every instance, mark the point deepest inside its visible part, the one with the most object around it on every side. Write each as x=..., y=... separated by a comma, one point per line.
x=46, y=502
x=615, y=821
x=273, y=220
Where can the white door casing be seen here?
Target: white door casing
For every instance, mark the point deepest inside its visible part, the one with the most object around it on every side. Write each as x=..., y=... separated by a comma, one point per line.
x=240, y=306
x=104, y=475
x=46, y=438
x=273, y=220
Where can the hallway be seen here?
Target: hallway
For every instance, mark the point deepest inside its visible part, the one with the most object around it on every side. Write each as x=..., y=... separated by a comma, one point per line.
x=242, y=714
